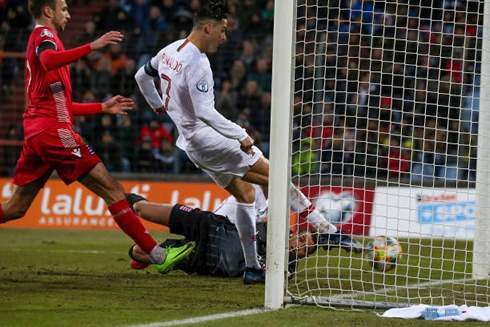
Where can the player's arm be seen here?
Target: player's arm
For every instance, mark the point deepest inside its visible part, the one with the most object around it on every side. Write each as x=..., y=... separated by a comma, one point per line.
x=51, y=58
x=145, y=77
x=200, y=85
x=117, y=105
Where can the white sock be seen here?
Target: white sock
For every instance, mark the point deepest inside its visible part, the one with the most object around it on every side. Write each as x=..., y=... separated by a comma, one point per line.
x=303, y=207
x=245, y=224
x=158, y=255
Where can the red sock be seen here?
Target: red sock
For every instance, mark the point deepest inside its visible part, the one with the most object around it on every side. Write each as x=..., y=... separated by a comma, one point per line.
x=2, y=218
x=130, y=223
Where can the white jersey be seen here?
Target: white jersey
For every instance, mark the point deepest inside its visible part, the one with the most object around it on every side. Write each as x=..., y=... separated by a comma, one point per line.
x=187, y=89
x=228, y=206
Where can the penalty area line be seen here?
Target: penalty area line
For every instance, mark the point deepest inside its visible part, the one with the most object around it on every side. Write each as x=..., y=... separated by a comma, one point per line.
x=197, y=320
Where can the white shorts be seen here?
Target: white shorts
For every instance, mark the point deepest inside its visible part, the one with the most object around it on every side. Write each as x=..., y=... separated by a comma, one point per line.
x=224, y=161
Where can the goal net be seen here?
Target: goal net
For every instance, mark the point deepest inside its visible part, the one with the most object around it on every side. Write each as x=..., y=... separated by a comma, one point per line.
x=385, y=137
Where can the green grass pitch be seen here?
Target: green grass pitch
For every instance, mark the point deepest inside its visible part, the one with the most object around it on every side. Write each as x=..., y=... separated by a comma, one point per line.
x=82, y=278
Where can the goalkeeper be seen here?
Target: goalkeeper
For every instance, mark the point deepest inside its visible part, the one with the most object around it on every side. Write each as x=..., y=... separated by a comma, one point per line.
x=218, y=250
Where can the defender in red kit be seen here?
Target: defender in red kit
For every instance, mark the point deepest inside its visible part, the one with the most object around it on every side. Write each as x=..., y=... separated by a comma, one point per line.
x=50, y=142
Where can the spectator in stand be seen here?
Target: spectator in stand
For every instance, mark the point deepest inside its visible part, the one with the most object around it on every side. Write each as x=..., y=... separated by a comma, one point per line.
x=322, y=133
x=182, y=23
x=246, y=10
x=306, y=160
x=108, y=17
x=368, y=150
x=168, y=9
x=396, y=159
x=89, y=33
x=256, y=29
x=226, y=100
x=165, y=157
x=80, y=78
x=238, y=75
x=105, y=124
x=146, y=160
x=260, y=119
x=109, y=151
x=243, y=118
x=268, y=16
x=262, y=75
x=14, y=28
x=102, y=83
x=17, y=16
x=141, y=11
x=248, y=54
x=156, y=132
x=115, y=56
x=124, y=79
x=194, y=6
x=126, y=135
x=250, y=97
x=123, y=23
x=152, y=26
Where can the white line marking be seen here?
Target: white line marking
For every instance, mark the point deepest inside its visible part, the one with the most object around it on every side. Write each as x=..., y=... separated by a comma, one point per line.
x=356, y=294
x=63, y=251
x=202, y=319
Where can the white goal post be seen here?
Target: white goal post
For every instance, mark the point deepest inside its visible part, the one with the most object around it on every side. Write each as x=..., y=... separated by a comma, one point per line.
x=380, y=117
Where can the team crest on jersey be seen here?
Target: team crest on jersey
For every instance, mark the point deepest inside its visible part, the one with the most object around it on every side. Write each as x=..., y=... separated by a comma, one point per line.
x=202, y=86
x=47, y=33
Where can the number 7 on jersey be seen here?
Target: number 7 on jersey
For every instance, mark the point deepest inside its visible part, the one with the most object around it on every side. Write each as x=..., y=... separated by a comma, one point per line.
x=167, y=91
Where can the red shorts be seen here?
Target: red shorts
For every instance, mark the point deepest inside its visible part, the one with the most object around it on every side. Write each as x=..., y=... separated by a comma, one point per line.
x=59, y=149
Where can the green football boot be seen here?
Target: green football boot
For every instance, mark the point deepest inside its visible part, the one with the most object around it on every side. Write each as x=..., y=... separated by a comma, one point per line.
x=174, y=256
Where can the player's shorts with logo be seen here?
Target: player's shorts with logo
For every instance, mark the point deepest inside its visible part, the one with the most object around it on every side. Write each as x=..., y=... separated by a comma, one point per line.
x=224, y=161
x=58, y=148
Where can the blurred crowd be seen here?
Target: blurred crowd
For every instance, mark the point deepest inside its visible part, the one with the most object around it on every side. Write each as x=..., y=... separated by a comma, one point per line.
x=382, y=88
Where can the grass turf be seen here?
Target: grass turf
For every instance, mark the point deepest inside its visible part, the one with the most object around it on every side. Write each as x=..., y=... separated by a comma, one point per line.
x=82, y=278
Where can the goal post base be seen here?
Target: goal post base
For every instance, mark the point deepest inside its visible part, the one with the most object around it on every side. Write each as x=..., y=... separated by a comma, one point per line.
x=326, y=301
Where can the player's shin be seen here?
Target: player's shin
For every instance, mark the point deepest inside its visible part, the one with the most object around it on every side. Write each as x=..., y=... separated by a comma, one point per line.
x=245, y=224
x=126, y=219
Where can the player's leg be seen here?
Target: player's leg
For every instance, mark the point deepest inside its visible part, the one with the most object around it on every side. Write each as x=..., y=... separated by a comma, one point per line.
x=158, y=213
x=19, y=202
x=99, y=181
x=31, y=173
x=259, y=174
x=245, y=218
x=332, y=237
x=227, y=164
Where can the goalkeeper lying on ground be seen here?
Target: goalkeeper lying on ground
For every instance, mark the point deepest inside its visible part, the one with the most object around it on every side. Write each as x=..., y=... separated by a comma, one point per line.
x=218, y=251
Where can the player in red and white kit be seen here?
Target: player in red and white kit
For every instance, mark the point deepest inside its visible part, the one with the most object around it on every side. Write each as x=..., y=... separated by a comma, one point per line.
x=50, y=142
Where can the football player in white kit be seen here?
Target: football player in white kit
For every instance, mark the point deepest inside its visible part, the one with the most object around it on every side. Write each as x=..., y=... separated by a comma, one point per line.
x=214, y=144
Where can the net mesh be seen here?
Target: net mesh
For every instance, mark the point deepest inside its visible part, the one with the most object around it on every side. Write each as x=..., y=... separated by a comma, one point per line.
x=385, y=128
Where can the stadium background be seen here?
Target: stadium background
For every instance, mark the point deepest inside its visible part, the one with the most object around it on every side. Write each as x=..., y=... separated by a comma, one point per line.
x=142, y=143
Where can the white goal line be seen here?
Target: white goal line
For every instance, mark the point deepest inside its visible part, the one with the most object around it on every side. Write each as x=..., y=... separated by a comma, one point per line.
x=357, y=294
x=197, y=320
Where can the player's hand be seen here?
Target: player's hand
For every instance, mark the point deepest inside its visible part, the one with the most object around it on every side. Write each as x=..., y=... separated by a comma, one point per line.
x=112, y=37
x=117, y=105
x=160, y=111
x=246, y=145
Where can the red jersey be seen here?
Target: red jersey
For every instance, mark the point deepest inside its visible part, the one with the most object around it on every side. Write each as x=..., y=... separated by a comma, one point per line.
x=48, y=92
